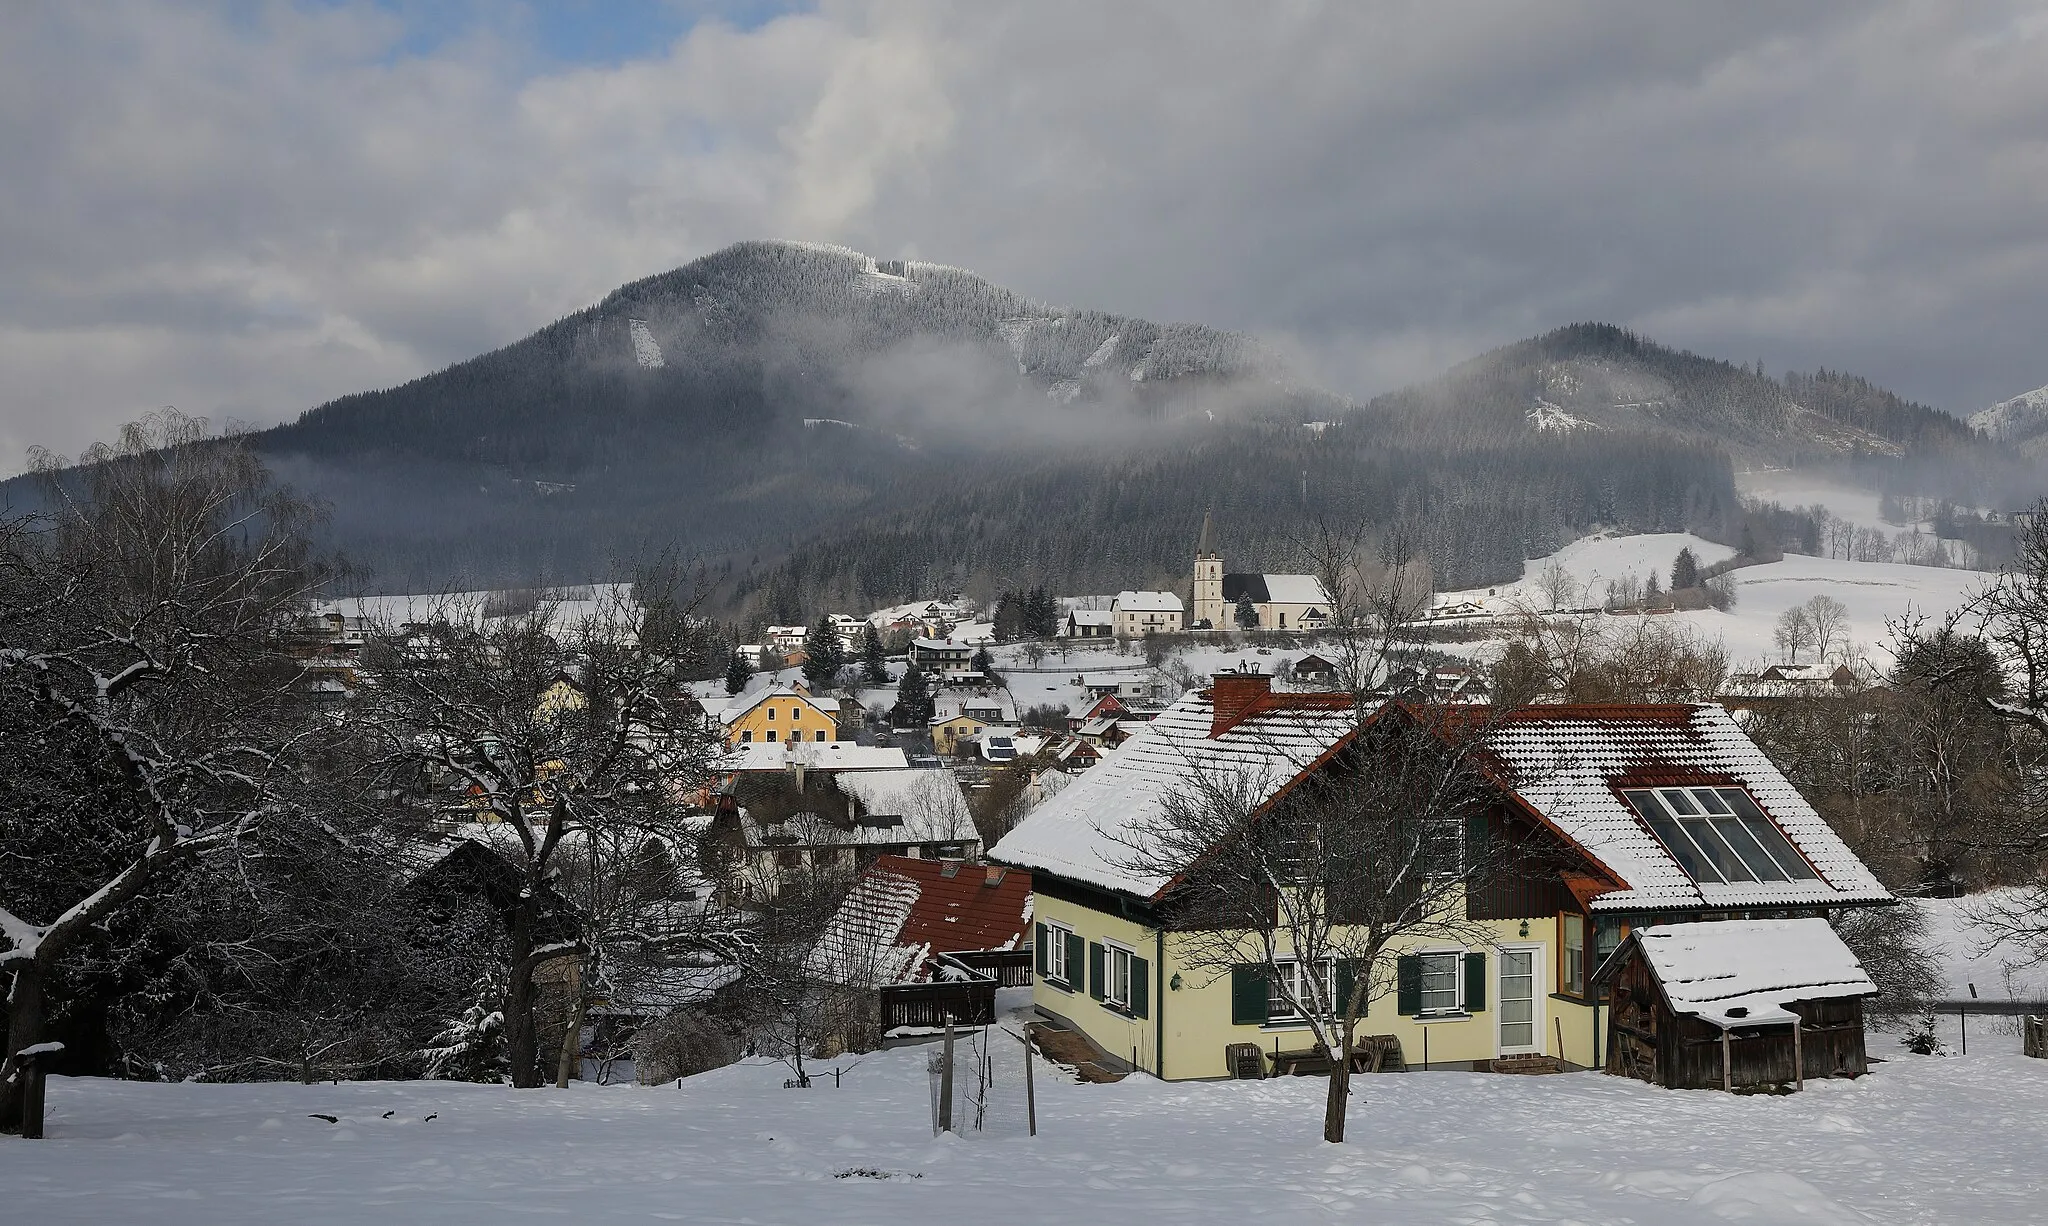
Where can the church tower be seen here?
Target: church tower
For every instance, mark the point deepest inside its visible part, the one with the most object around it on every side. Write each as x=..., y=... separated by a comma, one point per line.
x=1208, y=601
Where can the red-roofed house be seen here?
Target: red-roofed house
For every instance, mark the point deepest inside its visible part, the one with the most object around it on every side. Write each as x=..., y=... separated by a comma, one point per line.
x=934, y=938
x=1634, y=816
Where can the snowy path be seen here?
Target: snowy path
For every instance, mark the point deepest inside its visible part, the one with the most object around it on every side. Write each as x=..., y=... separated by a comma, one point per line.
x=1921, y=1140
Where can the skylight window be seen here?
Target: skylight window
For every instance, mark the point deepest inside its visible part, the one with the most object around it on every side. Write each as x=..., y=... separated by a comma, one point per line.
x=1719, y=835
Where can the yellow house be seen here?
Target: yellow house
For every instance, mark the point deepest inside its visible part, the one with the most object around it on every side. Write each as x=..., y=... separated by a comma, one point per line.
x=950, y=732
x=781, y=713
x=1645, y=815
x=565, y=693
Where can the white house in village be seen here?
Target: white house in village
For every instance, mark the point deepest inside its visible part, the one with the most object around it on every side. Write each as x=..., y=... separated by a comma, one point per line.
x=1138, y=614
x=1283, y=602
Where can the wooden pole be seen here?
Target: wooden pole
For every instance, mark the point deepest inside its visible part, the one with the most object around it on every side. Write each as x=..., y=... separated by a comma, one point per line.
x=1557, y=1024
x=1727, y=1063
x=1030, y=1093
x=32, y=1100
x=946, y=1082
x=1798, y=1053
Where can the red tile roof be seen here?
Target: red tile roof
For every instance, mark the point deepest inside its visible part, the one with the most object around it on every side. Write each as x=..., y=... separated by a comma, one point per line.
x=958, y=910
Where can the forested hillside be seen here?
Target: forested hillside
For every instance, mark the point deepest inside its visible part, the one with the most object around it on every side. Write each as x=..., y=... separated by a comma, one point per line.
x=817, y=426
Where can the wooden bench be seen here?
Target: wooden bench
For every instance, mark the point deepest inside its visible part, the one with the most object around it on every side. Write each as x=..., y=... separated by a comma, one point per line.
x=1372, y=1053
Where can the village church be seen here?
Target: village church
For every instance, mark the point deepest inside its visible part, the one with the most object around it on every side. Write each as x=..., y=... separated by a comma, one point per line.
x=1283, y=602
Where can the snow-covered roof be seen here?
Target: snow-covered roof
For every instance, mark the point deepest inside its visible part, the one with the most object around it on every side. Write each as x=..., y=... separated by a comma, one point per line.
x=1743, y=972
x=1094, y=830
x=1295, y=589
x=948, y=645
x=928, y=799
x=859, y=945
x=811, y=755
x=1147, y=602
x=1566, y=761
x=744, y=703
x=1092, y=617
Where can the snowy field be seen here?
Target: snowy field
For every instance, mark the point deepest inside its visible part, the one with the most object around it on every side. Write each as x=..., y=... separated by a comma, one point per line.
x=1875, y=593
x=1921, y=1140
x=2001, y=972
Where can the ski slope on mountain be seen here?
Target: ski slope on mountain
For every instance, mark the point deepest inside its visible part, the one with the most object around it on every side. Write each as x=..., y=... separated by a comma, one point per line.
x=1919, y=1140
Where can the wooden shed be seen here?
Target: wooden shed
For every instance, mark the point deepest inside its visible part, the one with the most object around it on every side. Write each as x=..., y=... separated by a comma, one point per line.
x=1734, y=1004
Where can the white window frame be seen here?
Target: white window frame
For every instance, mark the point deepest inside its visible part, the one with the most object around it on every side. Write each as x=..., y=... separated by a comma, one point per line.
x=1457, y=1006
x=1538, y=1008
x=1116, y=975
x=1292, y=968
x=1056, y=967
x=1449, y=832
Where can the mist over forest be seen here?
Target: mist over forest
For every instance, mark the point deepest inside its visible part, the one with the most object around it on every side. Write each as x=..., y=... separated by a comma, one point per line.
x=806, y=425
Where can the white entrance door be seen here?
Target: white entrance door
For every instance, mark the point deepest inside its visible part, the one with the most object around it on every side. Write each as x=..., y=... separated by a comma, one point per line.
x=1521, y=1000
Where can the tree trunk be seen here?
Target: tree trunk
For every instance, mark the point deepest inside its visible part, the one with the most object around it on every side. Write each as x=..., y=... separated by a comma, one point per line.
x=522, y=1044
x=26, y=1022
x=572, y=1039
x=1340, y=1097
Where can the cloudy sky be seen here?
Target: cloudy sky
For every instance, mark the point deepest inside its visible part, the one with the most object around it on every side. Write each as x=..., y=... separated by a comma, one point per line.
x=245, y=208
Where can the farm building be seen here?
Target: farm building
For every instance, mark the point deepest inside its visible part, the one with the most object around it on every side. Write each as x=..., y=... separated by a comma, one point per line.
x=1734, y=1004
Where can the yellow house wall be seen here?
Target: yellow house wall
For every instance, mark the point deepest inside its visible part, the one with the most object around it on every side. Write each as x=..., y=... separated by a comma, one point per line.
x=1198, y=1016
x=946, y=734
x=791, y=715
x=1116, y=1032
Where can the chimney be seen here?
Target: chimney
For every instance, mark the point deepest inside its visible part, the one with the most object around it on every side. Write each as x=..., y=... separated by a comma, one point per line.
x=1233, y=696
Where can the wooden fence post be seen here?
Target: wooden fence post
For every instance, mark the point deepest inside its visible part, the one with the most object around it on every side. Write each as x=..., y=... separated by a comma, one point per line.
x=1727, y=1063
x=1030, y=1093
x=1798, y=1052
x=946, y=1082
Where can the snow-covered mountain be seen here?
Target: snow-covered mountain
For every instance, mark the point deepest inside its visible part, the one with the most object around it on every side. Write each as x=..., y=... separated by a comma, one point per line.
x=2023, y=420
x=818, y=425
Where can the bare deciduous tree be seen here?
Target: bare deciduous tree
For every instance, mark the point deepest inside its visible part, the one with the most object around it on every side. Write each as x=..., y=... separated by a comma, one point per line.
x=141, y=625
x=1829, y=620
x=568, y=734
x=1794, y=631
x=1319, y=882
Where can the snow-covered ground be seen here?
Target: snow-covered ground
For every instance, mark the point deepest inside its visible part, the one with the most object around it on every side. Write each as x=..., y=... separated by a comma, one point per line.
x=1920, y=1140
x=1593, y=562
x=2001, y=973
x=1875, y=593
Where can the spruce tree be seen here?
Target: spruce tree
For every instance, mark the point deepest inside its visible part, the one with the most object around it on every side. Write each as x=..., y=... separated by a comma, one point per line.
x=1247, y=613
x=824, y=654
x=913, y=698
x=874, y=658
x=1685, y=571
x=737, y=673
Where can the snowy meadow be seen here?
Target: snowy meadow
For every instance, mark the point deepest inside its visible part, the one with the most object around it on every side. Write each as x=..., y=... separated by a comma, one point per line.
x=1920, y=1140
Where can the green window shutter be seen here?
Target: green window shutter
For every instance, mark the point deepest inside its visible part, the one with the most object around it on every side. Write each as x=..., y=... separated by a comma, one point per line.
x=1408, y=985
x=1044, y=949
x=1247, y=995
x=1347, y=978
x=1475, y=983
x=1095, y=970
x=1141, y=988
x=1478, y=837
x=1077, y=955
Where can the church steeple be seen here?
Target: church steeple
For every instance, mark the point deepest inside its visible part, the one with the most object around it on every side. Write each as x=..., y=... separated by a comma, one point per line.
x=1208, y=593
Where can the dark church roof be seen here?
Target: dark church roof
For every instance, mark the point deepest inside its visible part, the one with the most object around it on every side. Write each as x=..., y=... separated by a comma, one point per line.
x=1236, y=587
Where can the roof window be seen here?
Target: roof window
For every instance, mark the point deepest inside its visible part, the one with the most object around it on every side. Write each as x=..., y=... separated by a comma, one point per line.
x=1719, y=835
